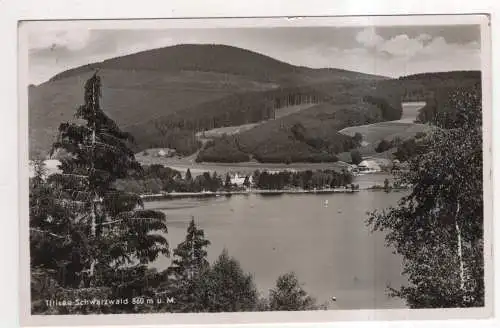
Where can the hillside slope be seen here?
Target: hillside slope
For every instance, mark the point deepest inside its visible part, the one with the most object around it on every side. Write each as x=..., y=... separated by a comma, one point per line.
x=154, y=84
x=216, y=58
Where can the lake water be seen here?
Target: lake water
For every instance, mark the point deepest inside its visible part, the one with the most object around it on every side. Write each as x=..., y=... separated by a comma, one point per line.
x=329, y=247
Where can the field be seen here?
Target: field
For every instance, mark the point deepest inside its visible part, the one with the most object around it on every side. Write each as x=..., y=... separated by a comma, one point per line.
x=374, y=133
x=231, y=130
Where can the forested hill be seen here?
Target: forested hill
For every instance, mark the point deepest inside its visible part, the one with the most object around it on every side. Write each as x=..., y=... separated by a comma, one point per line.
x=425, y=86
x=165, y=96
x=215, y=58
x=153, y=84
x=443, y=76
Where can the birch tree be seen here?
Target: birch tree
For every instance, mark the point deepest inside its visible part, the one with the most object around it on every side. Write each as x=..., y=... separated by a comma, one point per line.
x=438, y=227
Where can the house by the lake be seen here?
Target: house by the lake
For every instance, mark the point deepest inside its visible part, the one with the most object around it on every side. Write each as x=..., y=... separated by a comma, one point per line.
x=369, y=166
x=238, y=178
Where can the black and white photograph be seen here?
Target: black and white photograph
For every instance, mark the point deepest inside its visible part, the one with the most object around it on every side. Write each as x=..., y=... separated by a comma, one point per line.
x=256, y=165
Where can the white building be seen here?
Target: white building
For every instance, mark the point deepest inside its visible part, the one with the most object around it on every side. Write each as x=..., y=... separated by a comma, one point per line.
x=238, y=179
x=369, y=166
x=166, y=152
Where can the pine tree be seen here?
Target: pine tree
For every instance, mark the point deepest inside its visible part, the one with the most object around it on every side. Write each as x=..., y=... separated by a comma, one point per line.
x=190, y=255
x=189, y=263
x=189, y=177
x=215, y=183
x=227, y=183
x=102, y=237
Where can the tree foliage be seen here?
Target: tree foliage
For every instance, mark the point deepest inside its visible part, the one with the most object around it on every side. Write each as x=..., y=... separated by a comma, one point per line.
x=288, y=295
x=227, y=288
x=356, y=157
x=189, y=264
x=438, y=227
x=85, y=234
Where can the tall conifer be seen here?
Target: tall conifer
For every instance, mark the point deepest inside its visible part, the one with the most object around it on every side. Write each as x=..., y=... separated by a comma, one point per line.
x=107, y=236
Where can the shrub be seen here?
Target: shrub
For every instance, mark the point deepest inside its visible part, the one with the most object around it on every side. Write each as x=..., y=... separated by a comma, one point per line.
x=356, y=157
x=383, y=145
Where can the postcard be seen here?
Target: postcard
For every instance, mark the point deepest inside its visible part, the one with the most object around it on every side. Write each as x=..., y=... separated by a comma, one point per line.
x=255, y=170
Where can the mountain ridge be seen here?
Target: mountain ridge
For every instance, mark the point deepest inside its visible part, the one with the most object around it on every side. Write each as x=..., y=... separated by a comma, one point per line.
x=204, y=57
x=166, y=95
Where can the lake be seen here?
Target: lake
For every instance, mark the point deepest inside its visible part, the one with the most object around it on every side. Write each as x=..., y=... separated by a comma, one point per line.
x=329, y=247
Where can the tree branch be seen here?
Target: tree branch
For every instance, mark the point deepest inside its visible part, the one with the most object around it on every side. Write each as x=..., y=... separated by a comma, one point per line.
x=48, y=233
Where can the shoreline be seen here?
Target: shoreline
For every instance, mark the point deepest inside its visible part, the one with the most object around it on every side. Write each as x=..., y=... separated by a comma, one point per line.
x=173, y=195
x=207, y=194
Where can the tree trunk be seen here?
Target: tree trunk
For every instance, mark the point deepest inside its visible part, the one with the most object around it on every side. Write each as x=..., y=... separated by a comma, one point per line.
x=94, y=196
x=459, y=248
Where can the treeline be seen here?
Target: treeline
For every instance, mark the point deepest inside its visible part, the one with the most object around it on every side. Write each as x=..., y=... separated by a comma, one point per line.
x=157, y=178
x=240, y=108
x=443, y=76
x=182, y=140
x=389, y=112
x=178, y=130
x=223, y=150
x=440, y=109
x=434, y=88
x=303, y=180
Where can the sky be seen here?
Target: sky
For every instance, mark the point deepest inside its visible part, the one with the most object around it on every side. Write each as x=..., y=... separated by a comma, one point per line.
x=386, y=50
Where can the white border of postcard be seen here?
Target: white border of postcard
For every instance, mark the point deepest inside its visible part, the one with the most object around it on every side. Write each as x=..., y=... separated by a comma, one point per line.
x=262, y=317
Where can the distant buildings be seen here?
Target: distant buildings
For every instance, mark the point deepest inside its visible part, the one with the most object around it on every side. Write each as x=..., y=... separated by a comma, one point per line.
x=366, y=166
x=369, y=166
x=238, y=179
x=166, y=152
x=351, y=168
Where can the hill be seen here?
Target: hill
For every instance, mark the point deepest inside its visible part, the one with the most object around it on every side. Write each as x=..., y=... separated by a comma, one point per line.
x=215, y=58
x=150, y=86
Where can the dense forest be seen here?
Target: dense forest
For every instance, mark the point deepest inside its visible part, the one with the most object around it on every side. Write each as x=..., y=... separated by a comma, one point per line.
x=440, y=108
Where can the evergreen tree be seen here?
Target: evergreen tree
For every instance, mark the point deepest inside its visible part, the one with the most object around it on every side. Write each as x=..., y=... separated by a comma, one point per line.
x=215, y=182
x=227, y=288
x=227, y=183
x=387, y=188
x=189, y=263
x=289, y=295
x=99, y=238
x=246, y=183
x=189, y=177
x=357, y=139
x=356, y=157
x=438, y=228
